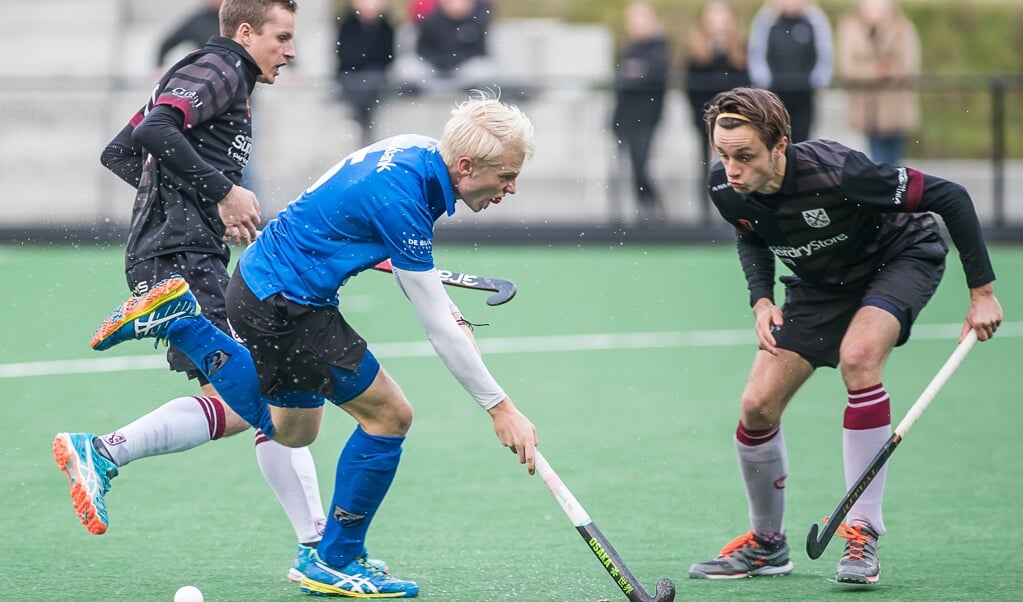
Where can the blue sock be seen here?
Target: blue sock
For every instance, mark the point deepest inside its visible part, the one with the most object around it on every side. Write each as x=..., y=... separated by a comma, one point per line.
x=364, y=474
x=228, y=366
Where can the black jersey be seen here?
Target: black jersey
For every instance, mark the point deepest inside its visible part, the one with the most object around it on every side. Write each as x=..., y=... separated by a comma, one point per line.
x=838, y=217
x=176, y=210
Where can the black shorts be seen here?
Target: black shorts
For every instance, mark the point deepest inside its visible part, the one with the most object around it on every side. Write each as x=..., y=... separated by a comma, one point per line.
x=293, y=345
x=207, y=278
x=816, y=318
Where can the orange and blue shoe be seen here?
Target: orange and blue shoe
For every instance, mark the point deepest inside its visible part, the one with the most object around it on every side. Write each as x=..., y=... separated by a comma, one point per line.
x=148, y=315
x=358, y=579
x=89, y=475
x=859, y=563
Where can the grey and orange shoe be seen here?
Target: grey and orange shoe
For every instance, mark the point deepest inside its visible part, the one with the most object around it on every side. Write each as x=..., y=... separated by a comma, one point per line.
x=859, y=563
x=746, y=556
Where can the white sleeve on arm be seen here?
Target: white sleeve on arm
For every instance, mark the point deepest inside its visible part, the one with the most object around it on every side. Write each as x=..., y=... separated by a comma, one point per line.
x=452, y=308
x=425, y=291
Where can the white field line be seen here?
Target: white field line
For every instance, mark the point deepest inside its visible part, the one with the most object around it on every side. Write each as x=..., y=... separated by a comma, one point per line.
x=537, y=344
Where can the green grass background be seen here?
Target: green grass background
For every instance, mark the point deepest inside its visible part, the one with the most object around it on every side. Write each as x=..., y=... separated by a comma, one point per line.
x=642, y=437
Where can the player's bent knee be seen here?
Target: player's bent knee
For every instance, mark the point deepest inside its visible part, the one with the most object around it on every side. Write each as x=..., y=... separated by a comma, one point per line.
x=294, y=439
x=393, y=418
x=759, y=412
x=296, y=427
x=860, y=357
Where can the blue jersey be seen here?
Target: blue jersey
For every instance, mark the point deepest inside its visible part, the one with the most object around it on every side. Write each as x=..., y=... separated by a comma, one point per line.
x=381, y=201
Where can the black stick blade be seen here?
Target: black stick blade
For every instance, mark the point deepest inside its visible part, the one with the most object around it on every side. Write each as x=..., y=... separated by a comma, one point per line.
x=817, y=543
x=665, y=591
x=505, y=291
x=814, y=546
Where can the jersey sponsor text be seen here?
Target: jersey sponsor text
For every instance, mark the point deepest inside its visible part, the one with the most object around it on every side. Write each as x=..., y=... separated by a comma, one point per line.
x=808, y=249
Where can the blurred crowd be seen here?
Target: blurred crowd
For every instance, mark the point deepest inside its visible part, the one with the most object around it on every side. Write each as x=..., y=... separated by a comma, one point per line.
x=404, y=48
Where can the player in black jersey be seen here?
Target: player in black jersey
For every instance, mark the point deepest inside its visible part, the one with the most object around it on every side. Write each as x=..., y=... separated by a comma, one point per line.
x=866, y=256
x=184, y=152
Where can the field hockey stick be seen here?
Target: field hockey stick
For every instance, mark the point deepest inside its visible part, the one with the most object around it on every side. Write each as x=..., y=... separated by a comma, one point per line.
x=503, y=290
x=599, y=544
x=816, y=543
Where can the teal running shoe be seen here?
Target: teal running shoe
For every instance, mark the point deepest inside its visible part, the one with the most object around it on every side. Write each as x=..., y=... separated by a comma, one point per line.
x=148, y=315
x=303, y=557
x=307, y=554
x=89, y=475
x=359, y=579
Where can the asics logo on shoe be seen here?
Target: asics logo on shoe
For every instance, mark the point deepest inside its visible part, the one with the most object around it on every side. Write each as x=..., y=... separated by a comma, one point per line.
x=351, y=583
x=214, y=362
x=147, y=324
x=346, y=518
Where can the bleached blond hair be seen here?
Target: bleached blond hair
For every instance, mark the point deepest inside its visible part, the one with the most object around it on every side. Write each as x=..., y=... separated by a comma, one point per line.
x=483, y=128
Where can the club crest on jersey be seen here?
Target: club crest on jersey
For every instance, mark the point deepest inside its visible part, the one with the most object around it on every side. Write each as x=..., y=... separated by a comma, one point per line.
x=817, y=218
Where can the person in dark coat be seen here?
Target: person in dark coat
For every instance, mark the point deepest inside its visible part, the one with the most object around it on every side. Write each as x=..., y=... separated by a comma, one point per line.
x=365, y=51
x=640, y=84
x=715, y=62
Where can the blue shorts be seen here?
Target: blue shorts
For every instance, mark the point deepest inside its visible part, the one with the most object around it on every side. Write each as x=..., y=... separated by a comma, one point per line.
x=348, y=385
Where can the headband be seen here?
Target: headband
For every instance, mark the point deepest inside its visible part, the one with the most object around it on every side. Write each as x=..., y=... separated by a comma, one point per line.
x=732, y=116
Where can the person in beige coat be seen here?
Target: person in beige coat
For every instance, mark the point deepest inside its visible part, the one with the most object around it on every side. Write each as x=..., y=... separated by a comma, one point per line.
x=879, y=58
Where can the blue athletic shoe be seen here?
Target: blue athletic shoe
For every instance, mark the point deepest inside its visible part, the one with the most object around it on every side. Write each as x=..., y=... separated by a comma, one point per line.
x=89, y=474
x=307, y=554
x=359, y=579
x=148, y=315
x=303, y=557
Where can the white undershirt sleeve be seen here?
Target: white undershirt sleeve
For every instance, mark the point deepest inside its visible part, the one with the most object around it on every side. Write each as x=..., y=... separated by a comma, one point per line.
x=433, y=306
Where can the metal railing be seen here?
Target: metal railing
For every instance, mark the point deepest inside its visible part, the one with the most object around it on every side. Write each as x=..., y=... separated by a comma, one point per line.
x=52, y=131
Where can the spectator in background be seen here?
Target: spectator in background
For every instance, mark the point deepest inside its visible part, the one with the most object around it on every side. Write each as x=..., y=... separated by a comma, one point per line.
x=451, y=49
x=790, y=53
x=879, y=55
x=365, y=50
x=417, y=10
x=640, y=85
x=194, y=31
x=715, y=62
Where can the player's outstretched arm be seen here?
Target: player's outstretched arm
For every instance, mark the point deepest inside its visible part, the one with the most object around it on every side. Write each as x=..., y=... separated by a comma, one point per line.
x=460, y=356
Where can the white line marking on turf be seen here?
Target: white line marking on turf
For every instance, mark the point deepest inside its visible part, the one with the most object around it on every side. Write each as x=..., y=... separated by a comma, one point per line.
x=538, y=344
